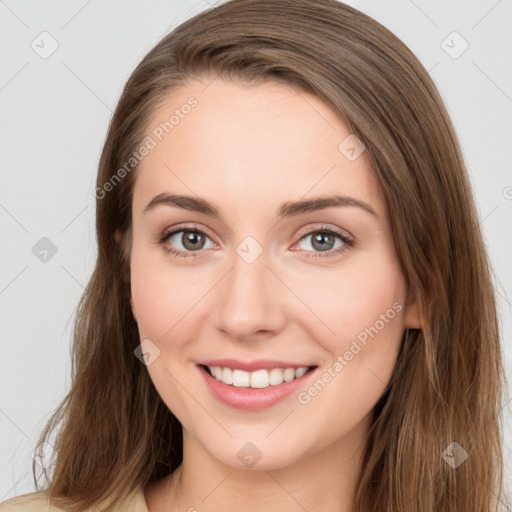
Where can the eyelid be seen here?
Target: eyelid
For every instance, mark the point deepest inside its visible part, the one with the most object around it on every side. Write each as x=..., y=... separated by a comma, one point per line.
x=186, y=227
x=324, y=227
x=301, y=233
x=346, y=237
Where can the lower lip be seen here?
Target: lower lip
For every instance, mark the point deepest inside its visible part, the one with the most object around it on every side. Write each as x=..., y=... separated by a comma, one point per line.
x=252, y=399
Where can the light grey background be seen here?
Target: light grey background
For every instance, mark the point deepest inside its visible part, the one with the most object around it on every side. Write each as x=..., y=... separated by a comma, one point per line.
x=54, y=116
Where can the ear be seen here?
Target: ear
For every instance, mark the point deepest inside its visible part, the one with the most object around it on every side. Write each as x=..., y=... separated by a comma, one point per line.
x=412, y=316
x=119, y=238
x=121, y=242
x=132, y=306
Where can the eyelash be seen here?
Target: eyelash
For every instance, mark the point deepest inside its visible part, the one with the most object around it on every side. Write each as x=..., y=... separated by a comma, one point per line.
x=347, y=242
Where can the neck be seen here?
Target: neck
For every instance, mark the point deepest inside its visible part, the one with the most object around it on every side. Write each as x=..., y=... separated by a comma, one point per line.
x=322, y=481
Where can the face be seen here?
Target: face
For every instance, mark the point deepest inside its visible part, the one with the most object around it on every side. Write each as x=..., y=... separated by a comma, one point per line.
x=238, y=277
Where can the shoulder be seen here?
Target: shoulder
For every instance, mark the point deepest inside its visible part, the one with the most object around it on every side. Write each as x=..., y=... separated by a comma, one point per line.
x=39, y=502
x=34, y=501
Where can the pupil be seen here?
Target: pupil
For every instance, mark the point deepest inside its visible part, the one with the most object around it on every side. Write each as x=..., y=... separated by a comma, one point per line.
x=323, y=240
x=191, y=239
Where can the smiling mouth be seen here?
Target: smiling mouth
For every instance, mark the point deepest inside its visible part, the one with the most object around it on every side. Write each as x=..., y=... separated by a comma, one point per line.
x=257, y=379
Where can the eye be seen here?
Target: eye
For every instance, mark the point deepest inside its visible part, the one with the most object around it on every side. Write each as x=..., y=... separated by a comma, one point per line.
x=184, y=241
x=325, y=240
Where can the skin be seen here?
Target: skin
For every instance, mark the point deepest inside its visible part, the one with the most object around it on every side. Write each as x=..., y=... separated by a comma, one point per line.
x=248, y=149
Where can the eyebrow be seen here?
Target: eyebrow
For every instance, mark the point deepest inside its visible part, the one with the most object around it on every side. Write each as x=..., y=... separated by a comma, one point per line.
x=287, y=209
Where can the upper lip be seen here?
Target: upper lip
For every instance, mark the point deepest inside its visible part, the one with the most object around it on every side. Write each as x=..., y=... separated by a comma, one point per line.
x=250, y=366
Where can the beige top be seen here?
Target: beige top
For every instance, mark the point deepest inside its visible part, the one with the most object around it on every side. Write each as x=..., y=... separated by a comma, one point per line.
x=39, y=502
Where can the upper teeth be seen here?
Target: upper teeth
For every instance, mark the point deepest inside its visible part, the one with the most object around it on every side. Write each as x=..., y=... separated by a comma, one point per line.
x=258, y=378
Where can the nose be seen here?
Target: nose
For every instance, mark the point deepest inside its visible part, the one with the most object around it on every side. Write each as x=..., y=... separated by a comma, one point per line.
x=249, y=302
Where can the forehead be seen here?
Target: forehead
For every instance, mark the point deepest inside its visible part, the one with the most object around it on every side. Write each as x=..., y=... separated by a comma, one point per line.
x=250, y=143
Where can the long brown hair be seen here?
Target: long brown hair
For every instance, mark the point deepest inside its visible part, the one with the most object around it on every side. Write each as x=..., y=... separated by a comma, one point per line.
x=116, y=434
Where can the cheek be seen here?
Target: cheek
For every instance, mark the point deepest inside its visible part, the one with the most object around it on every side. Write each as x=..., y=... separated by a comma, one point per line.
x=361, y=309
x=166, y=297
x=167, y=303
x=355, y=296
x=364, y=308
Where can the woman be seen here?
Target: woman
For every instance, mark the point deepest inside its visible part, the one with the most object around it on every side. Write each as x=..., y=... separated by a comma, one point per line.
x=291, y=306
